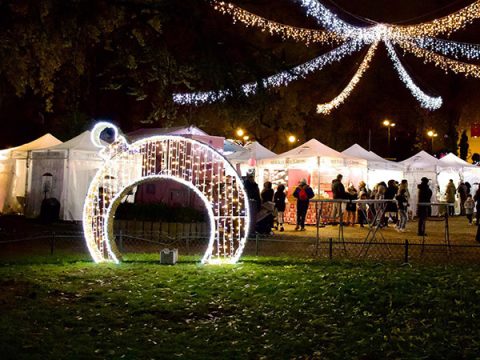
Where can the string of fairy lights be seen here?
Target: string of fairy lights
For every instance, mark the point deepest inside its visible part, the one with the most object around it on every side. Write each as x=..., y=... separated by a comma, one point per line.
x=418, y=40
x=183, y=160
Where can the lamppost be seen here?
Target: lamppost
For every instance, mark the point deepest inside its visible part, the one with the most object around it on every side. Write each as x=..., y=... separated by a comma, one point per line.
x=432, y=134
x=389, y=125
x=292, y=139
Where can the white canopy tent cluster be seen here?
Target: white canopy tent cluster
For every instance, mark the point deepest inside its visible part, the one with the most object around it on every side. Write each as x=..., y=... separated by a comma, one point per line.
x=46, y=167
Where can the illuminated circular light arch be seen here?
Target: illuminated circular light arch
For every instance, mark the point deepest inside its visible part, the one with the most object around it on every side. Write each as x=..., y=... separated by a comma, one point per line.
x=189, y=162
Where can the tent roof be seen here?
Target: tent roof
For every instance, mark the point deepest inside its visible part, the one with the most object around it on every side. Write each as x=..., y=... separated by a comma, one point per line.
x=230, y=147
x=80, y=142
x=357, y=151
x=254, y=150
x=452, y=160
x=422, y=160
x=312, y=147
x=178, y=130
x=372, y=158
x=42, y=142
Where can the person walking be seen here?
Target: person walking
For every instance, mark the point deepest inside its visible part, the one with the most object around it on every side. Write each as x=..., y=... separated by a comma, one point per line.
x=424, y=196
x=450, y=197
x=279, y=199
x=338, y=191
x=303, y=193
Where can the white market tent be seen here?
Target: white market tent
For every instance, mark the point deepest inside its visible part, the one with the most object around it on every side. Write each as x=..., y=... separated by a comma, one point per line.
x=378, y=168
x=69, y=167
x=14, y=165
x=452, y=167
x=415, y=168
x=315, y=161
x=247, y=158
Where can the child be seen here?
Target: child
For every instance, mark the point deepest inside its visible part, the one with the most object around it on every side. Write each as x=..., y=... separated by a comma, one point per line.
x=279, y=200
x=402, y=209
x=351, y=207
x=469, y=205
x=362, y=210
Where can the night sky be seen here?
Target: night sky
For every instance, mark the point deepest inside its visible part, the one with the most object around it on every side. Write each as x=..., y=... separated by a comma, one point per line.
x=223, y=55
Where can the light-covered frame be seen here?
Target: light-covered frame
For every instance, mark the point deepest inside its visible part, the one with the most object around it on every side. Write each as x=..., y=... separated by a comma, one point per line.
x=187, y=161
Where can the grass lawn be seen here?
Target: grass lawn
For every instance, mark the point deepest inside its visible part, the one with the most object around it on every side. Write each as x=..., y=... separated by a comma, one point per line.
x=260, y=308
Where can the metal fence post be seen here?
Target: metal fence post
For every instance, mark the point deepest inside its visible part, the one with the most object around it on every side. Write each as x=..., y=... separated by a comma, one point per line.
x=52, y=243
x=330, y=248
x=405, y=260
x=256, y=244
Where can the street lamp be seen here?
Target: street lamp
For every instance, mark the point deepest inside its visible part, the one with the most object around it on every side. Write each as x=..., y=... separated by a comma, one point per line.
x=292, y=139
x=389, y=125
x=432, y=134
x=240, y=132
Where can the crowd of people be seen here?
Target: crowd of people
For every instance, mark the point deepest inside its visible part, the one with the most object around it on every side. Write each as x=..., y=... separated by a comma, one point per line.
x=384, y=204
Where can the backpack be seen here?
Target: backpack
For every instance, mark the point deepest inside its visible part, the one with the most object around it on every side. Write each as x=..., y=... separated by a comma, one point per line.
x=302, y=194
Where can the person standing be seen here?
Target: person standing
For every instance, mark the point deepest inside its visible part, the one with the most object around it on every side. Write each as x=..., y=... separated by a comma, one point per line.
x=424, y=196
x=267, y=192
x=303, y=193
x=450, y=197
x=338, y=191
x=279, y=200
x=351, y=206
x=462, y=192
x=402, y=202
x=469, y=206
x=391, y=208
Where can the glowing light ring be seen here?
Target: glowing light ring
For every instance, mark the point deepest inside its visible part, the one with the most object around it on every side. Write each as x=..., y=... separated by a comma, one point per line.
x=97, y=130
x=328, y=107
x=426, y=101
x=187, y=161
x=280, y=79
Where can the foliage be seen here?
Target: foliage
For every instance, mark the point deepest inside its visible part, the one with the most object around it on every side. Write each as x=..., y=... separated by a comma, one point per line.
x=158, y=212
x=267, y=309
x=475, y=158
x=463, y=145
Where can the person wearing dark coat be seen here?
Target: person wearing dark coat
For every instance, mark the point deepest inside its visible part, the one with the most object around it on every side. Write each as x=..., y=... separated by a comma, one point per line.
x=462, y=192
x=254, y=201
x=267, y=192
x=303, y=193
x=424, y=196
x=279, y=200
x=391, y=209
x=338, y=191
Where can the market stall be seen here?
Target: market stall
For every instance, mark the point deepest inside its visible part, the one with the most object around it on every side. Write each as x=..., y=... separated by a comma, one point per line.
x=378, y=168
x=63, y=172
x=247, y=158
x=415, y=168
x=14, y=164
x=318, y=164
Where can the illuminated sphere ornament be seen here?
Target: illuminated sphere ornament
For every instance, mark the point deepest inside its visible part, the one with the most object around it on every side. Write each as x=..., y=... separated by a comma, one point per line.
x=186, y=161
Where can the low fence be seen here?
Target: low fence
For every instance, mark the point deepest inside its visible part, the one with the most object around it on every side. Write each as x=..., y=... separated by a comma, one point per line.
x=15, y=245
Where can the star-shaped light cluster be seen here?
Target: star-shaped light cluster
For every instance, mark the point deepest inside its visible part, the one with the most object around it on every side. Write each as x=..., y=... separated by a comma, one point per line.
x=420, y=40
